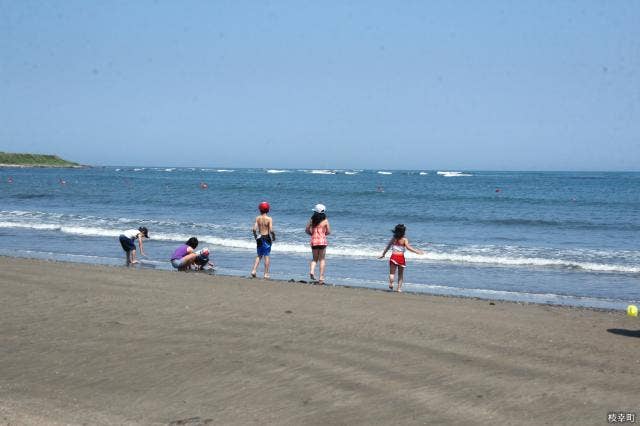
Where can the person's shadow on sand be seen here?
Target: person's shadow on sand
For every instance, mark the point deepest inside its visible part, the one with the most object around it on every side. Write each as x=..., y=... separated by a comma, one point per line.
x=624, y=332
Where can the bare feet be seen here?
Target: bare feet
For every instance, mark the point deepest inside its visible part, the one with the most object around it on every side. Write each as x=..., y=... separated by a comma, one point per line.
x=266, y=276
x=253, y=274
x=312, y=277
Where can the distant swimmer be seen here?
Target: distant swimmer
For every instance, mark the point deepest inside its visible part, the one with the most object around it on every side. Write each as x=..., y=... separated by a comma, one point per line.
x=128, y=239
x=498, y=190
x=203, y=185
x=9, y=179
x=380, y=188
x=62, y=181
x=264, y=236
x=398, y=245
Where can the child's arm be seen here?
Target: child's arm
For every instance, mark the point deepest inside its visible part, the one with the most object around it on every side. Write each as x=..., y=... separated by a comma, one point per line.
x=271, y=232
x=386, y=249
x=308, y=228
x=140, y=244
x=255, y=229
x=328, y=227
x=416, y=251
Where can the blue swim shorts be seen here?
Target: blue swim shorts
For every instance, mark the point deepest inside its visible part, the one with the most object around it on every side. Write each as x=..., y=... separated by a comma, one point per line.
x=263, y=245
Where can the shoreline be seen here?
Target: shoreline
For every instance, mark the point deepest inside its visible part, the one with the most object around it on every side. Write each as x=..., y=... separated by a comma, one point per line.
x=85, y=343
x=562, y=300
x=307, y=283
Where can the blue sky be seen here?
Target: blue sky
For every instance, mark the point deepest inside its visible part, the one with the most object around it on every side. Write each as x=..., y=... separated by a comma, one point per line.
x=496, y=85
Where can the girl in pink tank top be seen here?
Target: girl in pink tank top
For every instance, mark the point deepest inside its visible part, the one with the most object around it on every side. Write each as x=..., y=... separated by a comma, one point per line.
x=318, y=228
x=319, y=236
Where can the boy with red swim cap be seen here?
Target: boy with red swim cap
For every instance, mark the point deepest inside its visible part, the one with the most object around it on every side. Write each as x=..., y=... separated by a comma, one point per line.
x=264, y=235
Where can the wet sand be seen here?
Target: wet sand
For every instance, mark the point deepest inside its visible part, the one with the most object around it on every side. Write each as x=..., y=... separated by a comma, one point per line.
x=88, y=344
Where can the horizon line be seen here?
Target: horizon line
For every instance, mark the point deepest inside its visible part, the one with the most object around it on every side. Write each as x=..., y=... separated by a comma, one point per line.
x=371, y=169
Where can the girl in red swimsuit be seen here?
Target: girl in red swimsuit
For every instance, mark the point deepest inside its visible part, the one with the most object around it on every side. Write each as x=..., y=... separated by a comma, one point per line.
x=398, y=244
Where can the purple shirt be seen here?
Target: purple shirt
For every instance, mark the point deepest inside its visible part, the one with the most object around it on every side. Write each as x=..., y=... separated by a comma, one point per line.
x=180, y=252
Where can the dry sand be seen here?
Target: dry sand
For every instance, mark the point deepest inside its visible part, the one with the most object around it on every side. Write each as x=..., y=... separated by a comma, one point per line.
x=87, y=344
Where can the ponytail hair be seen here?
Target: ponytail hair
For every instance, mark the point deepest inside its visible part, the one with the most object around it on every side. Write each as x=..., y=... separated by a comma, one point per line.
x=399, y=231
x=317, y=218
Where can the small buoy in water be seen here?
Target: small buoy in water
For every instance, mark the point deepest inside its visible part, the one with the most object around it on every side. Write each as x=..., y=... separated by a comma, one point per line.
x=632, y=310
x=203, y=185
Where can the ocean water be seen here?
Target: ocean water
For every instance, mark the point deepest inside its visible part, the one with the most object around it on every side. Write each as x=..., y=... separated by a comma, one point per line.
x=559, y=238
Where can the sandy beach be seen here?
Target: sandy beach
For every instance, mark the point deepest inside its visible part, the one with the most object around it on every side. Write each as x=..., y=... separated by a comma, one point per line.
x=88, y=344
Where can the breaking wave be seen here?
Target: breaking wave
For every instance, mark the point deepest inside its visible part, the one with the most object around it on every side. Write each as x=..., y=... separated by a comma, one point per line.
x=503, y=256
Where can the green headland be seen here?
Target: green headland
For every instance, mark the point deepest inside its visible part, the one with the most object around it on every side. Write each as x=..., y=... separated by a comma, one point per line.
x=9, y=159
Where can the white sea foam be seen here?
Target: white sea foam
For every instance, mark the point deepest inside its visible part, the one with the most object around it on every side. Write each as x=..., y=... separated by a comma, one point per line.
x=36, y=218
x=39, y=226
x=169, y=170
x=350, y=173
x=67, y=255
x=138, y=170
x=225, y=171
x=384, y=173
x=505, y=256
x=423, y=173
x=544, y=298
x=525, y=261
x=90, y=231
x=277, y=171
x=452, y=174
x=322, y=172
x=17, y=212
